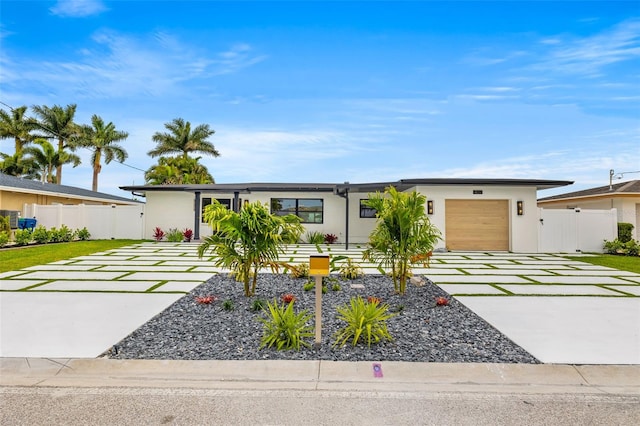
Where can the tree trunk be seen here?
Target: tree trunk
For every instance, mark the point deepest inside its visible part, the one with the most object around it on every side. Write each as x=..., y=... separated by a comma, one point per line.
x=59, y=168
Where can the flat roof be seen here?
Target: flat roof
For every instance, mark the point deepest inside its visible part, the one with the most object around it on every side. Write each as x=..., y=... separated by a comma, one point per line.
x=401, y=185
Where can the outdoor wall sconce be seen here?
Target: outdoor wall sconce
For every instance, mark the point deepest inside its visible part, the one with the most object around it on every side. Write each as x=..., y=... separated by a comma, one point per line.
x=429, y=206
x=520, y=207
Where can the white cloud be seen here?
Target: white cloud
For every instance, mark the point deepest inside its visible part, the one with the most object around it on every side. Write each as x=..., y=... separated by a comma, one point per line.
x=118, y=65
x=589, y=55
x=77, y=8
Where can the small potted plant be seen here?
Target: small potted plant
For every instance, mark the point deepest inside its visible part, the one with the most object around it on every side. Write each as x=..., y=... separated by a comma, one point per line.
x=188, y=235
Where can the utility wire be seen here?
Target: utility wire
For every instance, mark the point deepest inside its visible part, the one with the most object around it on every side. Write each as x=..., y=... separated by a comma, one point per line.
x=53, y=132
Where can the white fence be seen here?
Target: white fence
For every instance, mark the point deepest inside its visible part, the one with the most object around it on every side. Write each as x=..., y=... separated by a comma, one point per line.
x=570, y=231
x=103, y=222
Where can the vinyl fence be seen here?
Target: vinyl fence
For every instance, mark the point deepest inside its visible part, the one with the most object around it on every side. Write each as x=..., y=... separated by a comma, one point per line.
x=575, y=230
x=103, y=222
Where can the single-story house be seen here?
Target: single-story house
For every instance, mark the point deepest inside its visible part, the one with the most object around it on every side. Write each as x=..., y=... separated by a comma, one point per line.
x=622, y=196
x=472, y=214
x=17, y=194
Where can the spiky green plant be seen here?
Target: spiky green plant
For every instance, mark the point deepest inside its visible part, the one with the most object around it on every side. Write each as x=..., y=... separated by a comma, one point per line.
x=364, y=319
x=284, y=328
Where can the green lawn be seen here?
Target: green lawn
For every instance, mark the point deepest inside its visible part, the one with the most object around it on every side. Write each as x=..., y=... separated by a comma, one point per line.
x=624, y=263
x=22, y=257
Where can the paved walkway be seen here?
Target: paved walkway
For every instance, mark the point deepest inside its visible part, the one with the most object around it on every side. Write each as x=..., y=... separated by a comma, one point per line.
x=561, y=311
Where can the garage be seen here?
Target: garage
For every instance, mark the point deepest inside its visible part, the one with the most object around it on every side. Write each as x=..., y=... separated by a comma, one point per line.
x=477, y=225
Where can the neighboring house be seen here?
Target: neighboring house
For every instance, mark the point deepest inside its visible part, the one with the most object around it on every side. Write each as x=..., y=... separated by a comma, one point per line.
x=623, y=196
x=473, y=214
x=15, y=193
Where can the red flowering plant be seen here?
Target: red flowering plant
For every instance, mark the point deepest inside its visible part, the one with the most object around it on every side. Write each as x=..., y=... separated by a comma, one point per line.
x=158, y=233
x=188, y=234
x=442, y=301
x=206, y=300
x=288, y=298
x=374, y=300
x=330, y=238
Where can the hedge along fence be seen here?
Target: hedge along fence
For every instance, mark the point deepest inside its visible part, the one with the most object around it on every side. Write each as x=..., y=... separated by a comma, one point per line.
x=41, y=235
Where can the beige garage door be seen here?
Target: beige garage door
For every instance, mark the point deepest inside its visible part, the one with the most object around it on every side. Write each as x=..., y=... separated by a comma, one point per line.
x=477, y=224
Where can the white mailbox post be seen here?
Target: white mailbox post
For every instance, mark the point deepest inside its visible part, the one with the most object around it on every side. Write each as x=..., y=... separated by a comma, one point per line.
x=318, y=268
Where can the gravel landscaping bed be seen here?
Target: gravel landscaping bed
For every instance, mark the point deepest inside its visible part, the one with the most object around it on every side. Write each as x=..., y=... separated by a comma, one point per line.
x=421, y=330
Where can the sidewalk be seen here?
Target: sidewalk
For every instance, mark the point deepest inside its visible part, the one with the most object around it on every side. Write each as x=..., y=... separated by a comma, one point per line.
x=323, y=375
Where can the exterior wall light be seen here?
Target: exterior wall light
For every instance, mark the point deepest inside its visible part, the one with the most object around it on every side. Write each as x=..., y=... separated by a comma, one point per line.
x=429, y=206
x=520, y=208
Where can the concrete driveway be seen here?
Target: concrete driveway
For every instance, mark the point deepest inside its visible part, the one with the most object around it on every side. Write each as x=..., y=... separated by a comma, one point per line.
x=561, y=311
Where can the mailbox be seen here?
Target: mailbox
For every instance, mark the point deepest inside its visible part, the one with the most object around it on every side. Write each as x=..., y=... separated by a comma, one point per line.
x=319, y=265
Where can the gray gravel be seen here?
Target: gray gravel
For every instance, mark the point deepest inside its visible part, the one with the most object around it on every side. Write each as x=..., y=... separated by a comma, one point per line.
x=421, y=330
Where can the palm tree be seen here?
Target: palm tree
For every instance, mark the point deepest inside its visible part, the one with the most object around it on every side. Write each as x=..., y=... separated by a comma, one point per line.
x=182, y=140
x=178, y=170
x=57, y=123
x=17, y=165
x=403, y=233
x=101, y=139
x=46, y=159
x=15, y=125
x=247, y=241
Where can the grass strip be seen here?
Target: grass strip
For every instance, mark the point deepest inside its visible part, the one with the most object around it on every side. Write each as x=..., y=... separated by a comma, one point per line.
x=623, y=263
x=12, y=259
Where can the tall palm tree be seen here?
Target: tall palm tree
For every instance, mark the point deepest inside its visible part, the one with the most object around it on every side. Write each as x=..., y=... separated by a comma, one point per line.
x=46, y=159
x=15, y=125
x=57, y=123
x=178, y=170
x=19, y=166
x=182, y=140
x=101, y=139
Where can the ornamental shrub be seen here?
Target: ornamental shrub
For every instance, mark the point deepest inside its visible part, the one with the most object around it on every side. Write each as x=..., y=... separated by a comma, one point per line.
x=174, y=235
x=65, y=234
x=22, y=237
x=364, y=319
x=5, y=224
x=83, y=234
x=283, y=328
x=625, y=231
x=4, y=238
x=40, y=235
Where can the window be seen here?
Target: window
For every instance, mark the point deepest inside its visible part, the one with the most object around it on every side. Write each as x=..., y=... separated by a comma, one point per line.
x=366, y=211
x=309, y=210
x=207, y=201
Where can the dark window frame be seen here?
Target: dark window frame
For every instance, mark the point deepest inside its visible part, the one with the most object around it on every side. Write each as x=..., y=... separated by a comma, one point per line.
x=366, y=211
x=205, y=201
x=297, y=209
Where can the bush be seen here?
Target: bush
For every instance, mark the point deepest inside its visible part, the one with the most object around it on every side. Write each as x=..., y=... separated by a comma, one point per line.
x=330, y=238
x=309, y=285
x=65, y=234
x=22, y=237
x=314, y=237
x=228, y=305
x=187, y=234
x=285, y=329
x=625, y=231
x=174, y=235
x=364, y=319
x=83, y=234
x=300, y=271
x=158, y=234
x=40, y=235
x=630, y=248
x=4, y=238
x=5, y=224
x=350, y=270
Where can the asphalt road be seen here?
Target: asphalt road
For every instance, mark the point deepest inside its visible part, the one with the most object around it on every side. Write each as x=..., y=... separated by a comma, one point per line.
x=185, y=406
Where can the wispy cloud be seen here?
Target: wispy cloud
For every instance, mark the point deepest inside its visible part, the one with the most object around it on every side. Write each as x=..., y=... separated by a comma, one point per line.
x=77, y=8
x=117, y=65
x=588, y=56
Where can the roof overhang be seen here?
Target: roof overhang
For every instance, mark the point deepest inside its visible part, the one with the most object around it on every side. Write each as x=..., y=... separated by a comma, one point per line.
x=401, y=185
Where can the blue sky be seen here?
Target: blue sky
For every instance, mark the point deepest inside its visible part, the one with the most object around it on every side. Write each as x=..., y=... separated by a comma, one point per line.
x=343, y=90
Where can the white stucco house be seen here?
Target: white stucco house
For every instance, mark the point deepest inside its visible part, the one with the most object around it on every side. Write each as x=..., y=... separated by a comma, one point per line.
x=473, y=214
x=622, y=196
